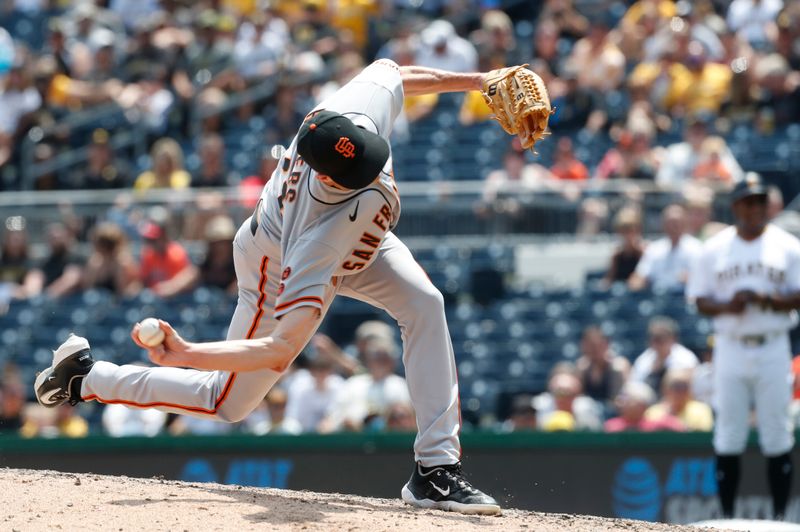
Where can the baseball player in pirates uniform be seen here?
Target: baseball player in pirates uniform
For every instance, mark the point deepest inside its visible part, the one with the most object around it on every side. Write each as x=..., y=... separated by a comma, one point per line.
x=323, y=227
x=748, y=279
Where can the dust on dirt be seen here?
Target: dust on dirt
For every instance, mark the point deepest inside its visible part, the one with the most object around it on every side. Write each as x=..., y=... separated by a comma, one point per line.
x=50, y=500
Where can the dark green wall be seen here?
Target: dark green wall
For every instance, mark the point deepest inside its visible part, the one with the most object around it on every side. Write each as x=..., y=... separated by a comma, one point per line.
x=654, y=476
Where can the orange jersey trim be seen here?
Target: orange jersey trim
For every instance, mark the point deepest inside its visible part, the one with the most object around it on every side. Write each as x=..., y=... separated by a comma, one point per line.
x=309, y=299
x=149, y=405
x=262, y=296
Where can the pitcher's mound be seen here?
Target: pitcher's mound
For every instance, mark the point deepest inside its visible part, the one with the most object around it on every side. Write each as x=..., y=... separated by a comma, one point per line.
x=49, y=500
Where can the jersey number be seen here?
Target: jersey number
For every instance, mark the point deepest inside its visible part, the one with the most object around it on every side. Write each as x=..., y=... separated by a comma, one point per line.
x=288, y=190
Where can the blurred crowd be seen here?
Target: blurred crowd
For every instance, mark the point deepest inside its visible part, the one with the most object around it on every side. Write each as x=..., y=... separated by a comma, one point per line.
x=358, y=388
x=147, y=96
x=125, y=257
x=132, y=248
x=663, y=263
x=180, y=71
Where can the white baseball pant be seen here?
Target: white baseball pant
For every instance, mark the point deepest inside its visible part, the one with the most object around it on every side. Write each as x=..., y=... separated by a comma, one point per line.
x=743, y=375
x=394, y=282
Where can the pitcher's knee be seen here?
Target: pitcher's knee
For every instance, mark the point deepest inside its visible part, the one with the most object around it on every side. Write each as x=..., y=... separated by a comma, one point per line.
x=232, y=413
x=427, y=301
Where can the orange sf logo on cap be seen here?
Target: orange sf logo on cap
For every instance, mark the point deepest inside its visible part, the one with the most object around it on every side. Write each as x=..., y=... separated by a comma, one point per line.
x=345, y=147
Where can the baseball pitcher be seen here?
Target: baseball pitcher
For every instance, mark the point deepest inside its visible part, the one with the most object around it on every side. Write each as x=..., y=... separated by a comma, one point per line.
x=323, y=227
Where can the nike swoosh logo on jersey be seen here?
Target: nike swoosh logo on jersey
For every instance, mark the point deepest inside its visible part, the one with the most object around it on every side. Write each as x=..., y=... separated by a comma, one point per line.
x=444, y=493
x=355, y=213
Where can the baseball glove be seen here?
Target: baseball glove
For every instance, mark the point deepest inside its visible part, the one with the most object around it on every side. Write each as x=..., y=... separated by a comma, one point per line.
x=519, y=101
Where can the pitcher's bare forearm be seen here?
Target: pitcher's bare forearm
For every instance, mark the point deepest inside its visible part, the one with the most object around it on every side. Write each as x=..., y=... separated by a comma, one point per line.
x=276, y=351
x=273, y=352
x=423, y=80
x=237, y=355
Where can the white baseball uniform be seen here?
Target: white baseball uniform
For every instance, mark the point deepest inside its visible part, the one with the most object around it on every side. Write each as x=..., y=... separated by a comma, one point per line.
x=752, y=354
x=306, y=243
x=664, y=266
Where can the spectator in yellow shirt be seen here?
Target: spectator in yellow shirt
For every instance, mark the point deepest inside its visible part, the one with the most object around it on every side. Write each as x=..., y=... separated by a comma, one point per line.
x=677, y=401
x=666, y=9
x=415, y=107
x=64, y=422
x=167, y=171
x=354, y=16
x=642, y=25
x=699, y=85
x=240, y=7
x=418, y=107
x=69, y=423
x=473, y=109
x=597, y=60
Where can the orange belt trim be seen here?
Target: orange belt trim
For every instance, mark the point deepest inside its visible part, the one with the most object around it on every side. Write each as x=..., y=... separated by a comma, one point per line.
x=310, y=299
x=231, y=378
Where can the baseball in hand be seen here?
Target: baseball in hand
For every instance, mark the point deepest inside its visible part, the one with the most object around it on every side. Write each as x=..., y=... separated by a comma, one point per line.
x=150, y=333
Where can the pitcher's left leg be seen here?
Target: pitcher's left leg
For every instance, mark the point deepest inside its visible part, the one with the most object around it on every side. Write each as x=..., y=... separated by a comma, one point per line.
x=397, y=284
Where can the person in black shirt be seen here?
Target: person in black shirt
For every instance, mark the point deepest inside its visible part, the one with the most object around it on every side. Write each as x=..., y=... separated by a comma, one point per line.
x=17, y=277
x=777, y=93
x=628, y=225
x=103, y=170
x=601, y=370
x=142, y=53
x=575, y=106
x=217, y=269
x=12, y=403
x=212, y=171
x=61, y=271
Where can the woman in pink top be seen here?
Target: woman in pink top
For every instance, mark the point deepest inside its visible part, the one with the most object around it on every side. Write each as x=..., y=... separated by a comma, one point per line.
x=632, y=402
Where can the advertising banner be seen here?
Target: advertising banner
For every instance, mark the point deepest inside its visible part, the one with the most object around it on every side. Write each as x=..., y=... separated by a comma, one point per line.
x=654, y=477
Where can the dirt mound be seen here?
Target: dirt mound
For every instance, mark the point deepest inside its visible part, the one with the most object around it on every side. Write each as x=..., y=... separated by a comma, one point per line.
x=49, y=500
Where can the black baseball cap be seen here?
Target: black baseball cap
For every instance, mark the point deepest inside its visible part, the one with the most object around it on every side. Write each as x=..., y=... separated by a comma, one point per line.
x=751, y=185
x=333, y=145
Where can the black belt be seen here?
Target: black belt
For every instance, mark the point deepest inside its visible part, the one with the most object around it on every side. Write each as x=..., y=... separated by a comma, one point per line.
x=753, y=340
x=757, y=340
x=255, y=220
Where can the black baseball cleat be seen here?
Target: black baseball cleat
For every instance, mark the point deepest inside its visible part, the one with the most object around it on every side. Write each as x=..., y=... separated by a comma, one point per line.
x=445, y=488
x=61, y=382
